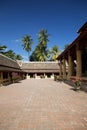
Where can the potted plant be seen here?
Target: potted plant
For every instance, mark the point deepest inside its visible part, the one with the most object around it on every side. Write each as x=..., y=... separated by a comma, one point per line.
x=77, y=85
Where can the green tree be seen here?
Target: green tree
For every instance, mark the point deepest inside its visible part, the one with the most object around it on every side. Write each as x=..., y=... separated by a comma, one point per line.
x=54, y=52
x=41, y=50
x=41, y=53
x=43, y=37
x=3, y=48
x=10, y=53
x=18, y=57
x=26, y=43
x=34, y=55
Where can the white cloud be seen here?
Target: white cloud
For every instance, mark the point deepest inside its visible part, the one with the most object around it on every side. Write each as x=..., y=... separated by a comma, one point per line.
x=16, y=40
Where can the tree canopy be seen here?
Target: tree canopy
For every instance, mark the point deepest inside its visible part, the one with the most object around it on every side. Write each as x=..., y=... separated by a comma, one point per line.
x=40, y=53
x=10, y=53
x=54, y=52
x=26, y=43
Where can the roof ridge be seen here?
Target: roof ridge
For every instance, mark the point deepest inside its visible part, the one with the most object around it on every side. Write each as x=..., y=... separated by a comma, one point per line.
x=8, y=57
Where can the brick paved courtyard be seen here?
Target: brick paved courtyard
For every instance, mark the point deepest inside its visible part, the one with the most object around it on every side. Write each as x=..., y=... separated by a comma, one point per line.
x=42, y=104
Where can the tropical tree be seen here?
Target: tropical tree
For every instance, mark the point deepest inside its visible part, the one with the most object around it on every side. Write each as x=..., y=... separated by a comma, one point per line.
x=41, y=53
x=18, y=57
x=43, y=37
x=26, y=43
x=10, y=53
x=3, y=48
x=54, y=52
x=33, y=56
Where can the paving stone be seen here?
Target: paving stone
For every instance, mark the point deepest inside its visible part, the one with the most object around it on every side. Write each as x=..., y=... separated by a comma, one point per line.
x=42, y=104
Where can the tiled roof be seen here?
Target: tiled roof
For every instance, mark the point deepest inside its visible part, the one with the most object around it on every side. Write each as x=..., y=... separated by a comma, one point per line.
x=6, y=62
x=40, y=66
x=5, y=68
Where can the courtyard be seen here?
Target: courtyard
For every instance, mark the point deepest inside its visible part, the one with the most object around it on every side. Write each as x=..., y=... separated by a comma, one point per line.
x=42, y=104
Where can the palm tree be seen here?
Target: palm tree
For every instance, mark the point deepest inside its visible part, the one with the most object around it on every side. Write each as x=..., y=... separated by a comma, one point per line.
x=27, y=42
x=43, y=37
x=54, y=52
x=43, y=40
x=10, y=54
x=41, y=53
x=3, y=48
x=18, y=57
x=38, y=54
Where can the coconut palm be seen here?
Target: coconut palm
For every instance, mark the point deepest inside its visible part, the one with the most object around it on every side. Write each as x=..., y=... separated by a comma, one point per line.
x=3, y=48
x=54, y=52
x=27, y=42
x=40, y=53
x=43, y=37
x=18, y=57
x=43, y=40
x=10, y=54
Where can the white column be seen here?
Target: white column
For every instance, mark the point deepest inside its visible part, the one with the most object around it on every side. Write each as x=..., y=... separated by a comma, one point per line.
x=27, y=76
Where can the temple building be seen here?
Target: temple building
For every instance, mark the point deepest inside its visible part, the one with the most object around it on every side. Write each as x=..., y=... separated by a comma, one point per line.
x=9, y=70
x=14, y=71
x=40, y=69
x=75, y=55
x=71, y=64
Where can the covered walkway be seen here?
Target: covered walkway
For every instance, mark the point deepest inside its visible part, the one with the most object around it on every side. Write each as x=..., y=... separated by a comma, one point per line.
x=42, y=104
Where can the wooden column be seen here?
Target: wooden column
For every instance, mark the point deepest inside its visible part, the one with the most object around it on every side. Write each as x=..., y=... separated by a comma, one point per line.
x=70, y=66
x=60, y=72
x=1, y=78
x=79, y=62
x=9, y=76
x=64, y=69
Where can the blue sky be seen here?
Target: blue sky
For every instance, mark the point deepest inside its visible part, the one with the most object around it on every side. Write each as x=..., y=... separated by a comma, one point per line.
x=62, y=19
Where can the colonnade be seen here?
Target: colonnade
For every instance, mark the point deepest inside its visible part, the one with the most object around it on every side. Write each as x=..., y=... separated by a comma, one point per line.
x=70, y=64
